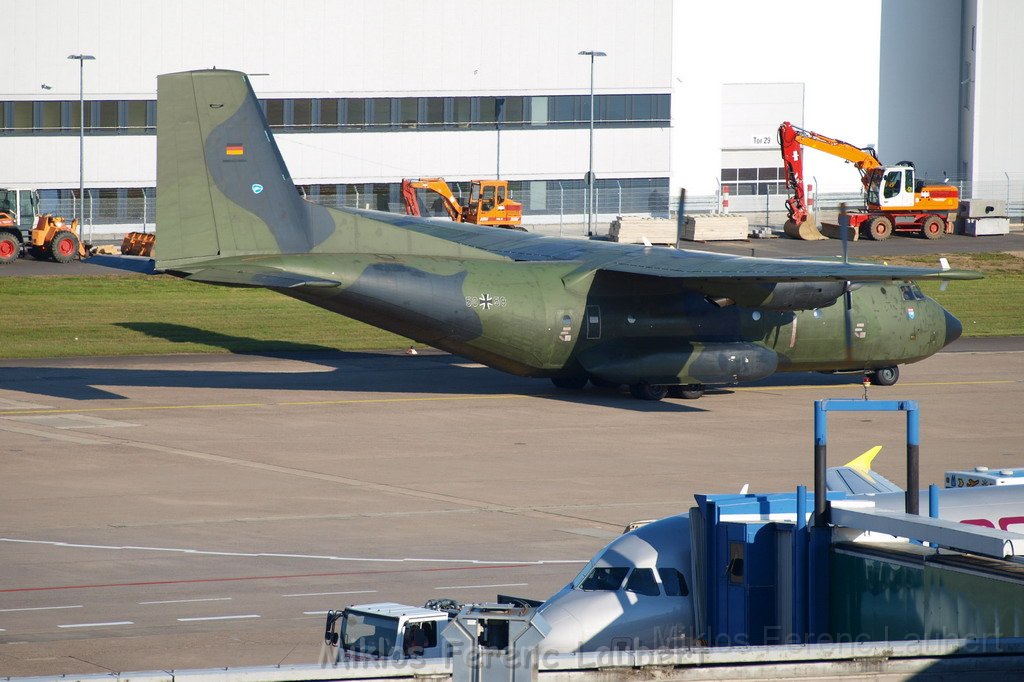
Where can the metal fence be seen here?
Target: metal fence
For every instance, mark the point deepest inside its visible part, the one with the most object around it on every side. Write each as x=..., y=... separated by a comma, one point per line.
x=544, y=203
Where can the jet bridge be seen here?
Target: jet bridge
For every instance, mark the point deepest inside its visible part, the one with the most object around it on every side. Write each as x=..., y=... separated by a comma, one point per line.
x=795, y=568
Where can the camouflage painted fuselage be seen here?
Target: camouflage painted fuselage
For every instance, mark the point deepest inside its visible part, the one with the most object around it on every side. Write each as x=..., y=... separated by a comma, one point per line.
x=228, y=214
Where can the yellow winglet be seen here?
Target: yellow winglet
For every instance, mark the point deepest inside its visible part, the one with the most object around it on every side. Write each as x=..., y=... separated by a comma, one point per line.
x=863, y=462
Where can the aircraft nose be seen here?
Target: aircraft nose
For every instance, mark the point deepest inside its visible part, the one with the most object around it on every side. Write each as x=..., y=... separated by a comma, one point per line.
x=953, y=328
x=565, y=634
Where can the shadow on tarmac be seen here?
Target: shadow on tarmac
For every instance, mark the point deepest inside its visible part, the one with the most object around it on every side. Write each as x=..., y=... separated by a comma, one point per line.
x=340, y=372
x=179, y=333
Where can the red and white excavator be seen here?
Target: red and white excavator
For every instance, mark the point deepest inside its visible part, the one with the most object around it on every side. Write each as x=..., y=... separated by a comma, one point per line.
x=895, y=200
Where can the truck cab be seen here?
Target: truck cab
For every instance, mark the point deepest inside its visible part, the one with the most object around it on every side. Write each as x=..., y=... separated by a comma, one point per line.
x=386, y=630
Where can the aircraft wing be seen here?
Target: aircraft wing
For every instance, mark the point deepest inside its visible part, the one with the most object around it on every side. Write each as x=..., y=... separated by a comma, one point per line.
x=858, y=478
x=677, y=264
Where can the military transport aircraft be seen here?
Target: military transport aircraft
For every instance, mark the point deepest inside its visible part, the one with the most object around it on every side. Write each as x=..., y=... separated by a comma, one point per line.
x=663, y=321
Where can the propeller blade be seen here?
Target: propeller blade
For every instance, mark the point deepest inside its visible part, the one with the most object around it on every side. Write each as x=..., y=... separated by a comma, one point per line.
x=681, y=216
x=848, y=321
x=844, y=225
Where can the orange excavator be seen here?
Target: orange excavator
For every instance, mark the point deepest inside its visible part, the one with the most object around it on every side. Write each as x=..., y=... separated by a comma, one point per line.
x=489, y=202
x=896, y=201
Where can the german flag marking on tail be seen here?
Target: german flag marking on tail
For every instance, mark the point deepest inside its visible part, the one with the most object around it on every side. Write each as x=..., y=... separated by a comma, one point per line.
x=234, y=150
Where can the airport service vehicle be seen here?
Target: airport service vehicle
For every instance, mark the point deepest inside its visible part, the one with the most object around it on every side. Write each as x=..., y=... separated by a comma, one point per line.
x=661, y=321
x=896, y=200
x=489, y=202
x=389, y=630
x=42, y=236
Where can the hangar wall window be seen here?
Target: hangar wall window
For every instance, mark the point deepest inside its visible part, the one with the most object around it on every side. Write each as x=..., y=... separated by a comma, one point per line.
x=646, y=196
x=135, y=206
x=355, y=113
x=326, y=114
x=751, y=181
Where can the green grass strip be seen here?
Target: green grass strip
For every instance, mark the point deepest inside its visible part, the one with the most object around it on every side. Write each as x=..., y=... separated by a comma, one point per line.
x=135, y=315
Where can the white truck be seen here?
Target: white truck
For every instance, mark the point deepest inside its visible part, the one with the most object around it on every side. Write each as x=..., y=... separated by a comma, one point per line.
x=388, y=630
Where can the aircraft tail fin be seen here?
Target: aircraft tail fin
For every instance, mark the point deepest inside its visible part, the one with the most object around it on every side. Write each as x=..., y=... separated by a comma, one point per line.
x=223, y=187
x=856, y=477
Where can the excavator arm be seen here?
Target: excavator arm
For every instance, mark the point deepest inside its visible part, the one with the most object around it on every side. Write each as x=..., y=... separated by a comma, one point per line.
x=792, y=141
x=436, y=185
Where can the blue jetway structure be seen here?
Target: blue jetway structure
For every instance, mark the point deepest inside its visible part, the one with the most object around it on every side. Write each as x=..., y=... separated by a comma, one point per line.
x=765, y=572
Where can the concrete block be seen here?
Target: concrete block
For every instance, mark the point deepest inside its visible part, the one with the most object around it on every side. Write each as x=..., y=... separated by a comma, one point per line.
x=706, y=228
x=978, y=227
x=982, y=208
x=629, y=230
x=834, y=231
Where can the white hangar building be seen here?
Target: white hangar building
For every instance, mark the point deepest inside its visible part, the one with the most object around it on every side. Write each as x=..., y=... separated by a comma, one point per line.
x=362, y=94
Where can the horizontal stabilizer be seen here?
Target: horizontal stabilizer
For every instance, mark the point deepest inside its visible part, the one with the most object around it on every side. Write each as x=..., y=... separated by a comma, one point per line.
x=139, y=264
x=252, y=276
x=857, y=478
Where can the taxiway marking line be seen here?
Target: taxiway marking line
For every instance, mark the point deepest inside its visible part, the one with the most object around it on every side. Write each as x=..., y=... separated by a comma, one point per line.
x=804, y=387
x=97, y=625
x=358, y=401
x=148, y=583
x=405, y=492
x=41, y=608
x=80, y=440
x=278, y=555
x=325, y=594
x=184, y=601
x=470, y=587
x=189, y=620
x=291, y=403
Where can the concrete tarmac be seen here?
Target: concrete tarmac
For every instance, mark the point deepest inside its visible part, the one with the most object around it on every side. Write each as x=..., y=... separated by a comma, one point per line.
x=205, y=511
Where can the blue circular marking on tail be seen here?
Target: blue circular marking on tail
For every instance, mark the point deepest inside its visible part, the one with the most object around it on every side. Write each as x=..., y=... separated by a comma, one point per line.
x=257, y=188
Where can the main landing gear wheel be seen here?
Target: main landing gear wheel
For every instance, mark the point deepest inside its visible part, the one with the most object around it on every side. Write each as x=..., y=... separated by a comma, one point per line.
x=64, y=247
x=880, y=228
x=646, y=391
x=9, y=248
x=569, y=382
x=687, y=392
x=887, y=376
x=933, y=227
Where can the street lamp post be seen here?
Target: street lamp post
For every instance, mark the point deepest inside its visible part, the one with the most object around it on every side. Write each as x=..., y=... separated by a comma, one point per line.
x=590, y=166
x=499, y=112
x=81, y=138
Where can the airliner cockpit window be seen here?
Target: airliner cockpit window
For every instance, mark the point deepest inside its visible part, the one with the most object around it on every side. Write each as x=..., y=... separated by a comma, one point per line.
x=674, y=582
x=642, y=581
x=605, y=578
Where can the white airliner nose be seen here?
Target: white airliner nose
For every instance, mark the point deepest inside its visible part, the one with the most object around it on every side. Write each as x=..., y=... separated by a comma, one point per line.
x=566, y=634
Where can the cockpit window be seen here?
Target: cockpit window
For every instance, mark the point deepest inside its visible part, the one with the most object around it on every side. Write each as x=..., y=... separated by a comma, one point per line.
x=642, y=581
x=605, y=578
x=674, y=582
x=911, y=292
